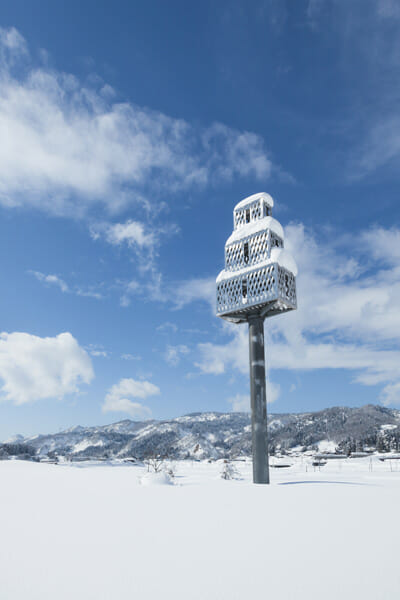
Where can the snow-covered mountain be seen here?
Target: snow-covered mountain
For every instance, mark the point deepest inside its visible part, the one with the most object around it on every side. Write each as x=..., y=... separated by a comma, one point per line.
x=215, y=435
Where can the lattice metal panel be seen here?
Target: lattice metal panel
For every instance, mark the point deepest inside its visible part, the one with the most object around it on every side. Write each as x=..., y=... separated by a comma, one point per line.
x=275, y=242
x=255, y=211
x=248, y=214
x=287, y=286
x=261, y=285
x=234, y=256
x=258, y=246
x=270, y=285
x=246, y=290
x=251, y=250
x=240, y=218
x=229, y=295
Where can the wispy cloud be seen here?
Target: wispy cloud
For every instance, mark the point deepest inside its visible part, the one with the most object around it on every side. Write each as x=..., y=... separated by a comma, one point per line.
x=173, y=354
x=241, y=402
x=51, y=280
x=55, y=280
x=88, y=293
x=313, y=11
x=388, y=9
x=102, y=353
x=380, y=147
x=167, y=327
x=365, y=35
x=144, y=240
x=98, y=351
x=130, y=357
x=69, y=146
x=190, y=290
x=177, y=294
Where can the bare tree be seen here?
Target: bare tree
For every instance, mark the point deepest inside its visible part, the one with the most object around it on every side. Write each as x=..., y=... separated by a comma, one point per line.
x=155, y=462
x=229, y=471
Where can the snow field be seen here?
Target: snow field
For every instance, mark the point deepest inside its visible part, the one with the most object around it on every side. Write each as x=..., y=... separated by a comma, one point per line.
x=95, y=532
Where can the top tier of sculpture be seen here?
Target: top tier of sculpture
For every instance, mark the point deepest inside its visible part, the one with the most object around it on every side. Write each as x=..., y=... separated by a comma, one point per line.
x=259, y=274
x=251, y=209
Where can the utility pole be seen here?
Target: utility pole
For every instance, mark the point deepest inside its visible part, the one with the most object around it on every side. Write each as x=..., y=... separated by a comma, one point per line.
x=258, y=399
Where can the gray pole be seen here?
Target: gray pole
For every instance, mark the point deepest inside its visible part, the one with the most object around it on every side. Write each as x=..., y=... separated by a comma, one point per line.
x=258, y=400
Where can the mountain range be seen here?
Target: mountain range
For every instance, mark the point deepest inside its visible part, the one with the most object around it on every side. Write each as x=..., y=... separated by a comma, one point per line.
x=218, y=435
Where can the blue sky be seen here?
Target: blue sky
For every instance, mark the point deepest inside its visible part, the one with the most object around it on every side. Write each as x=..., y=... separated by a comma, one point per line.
x=128, y=133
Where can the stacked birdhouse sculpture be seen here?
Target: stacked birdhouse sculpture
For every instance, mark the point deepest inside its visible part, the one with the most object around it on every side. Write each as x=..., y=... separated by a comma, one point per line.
x=258, y=281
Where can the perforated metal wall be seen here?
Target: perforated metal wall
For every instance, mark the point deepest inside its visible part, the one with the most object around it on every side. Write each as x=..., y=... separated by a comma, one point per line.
x=247, y=286
x=251, y=250
x=258, y=286
x=249, y=213
x=287, y=286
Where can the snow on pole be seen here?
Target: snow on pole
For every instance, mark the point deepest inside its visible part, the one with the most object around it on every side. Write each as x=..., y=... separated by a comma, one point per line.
x=258, y=281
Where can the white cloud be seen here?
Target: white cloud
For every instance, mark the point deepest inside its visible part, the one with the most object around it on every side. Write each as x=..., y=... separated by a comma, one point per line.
x=12, y=44
x=64, y=287
x=391, y=394
x=178, y=293
x=144, y=240
x=88, y=293
x=67, y=146
x=167, y=326
x=173, y=354
x=133, y=233
x=34, y=368
x=134, y=409
x=273, y=391
x=388, y=8
x=314, y=8
x=130, y=357
x=51, y=280
x=365, y=36
x=98, y=350
x=125, y=301
x=379, y=147
x=130, y=288
x=118, y=397
x=241, y=402
x=383, y=245
x=347, y=318
x=243, y=153
x=187, y=291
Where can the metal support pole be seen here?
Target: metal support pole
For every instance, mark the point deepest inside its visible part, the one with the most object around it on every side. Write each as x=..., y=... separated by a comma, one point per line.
x=258, y=400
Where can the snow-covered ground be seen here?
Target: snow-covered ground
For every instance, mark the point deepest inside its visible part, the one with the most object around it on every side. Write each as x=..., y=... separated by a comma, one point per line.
x=96, y=532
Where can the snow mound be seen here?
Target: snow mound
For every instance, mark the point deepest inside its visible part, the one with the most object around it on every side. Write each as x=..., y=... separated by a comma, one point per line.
x=327, y=446
x=161, y=478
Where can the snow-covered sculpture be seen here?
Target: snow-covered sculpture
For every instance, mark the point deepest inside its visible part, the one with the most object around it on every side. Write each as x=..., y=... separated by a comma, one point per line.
x=259, y=281
x=259, y=274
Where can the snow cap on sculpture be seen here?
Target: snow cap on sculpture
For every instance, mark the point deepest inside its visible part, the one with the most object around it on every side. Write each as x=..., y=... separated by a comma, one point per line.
x=259, y=274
